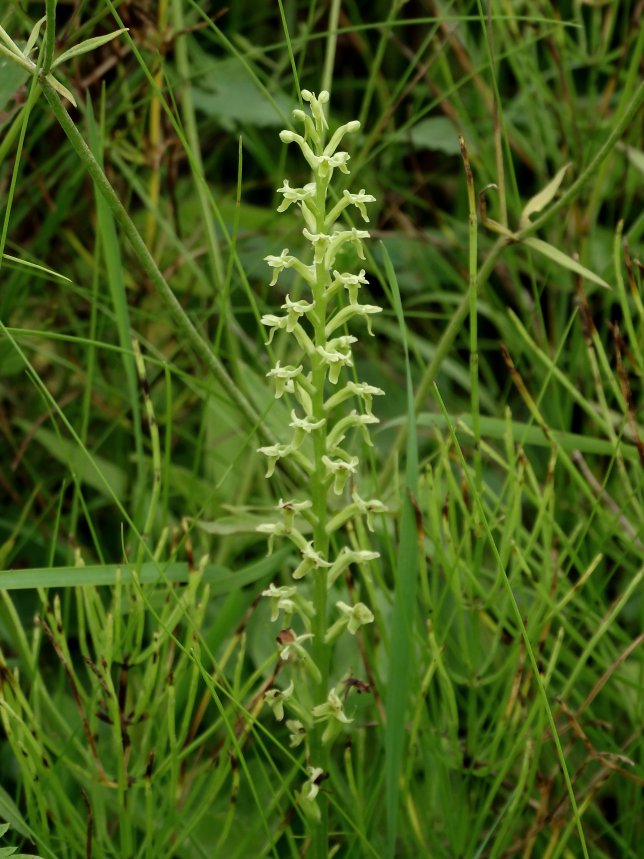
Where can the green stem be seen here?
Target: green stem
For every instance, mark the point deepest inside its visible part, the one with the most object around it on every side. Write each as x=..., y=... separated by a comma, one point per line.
x=329, y=58
x=50, y=35
x=486, y=22
x=156, y=453
x=473, y=312
x=319, y=491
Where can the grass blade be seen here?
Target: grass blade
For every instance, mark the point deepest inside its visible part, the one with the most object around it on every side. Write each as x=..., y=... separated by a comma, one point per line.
x=406, y=577
x=220, y=579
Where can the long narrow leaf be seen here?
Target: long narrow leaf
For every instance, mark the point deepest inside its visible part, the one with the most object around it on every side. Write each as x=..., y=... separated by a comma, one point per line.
x=528, y=434
x=116, y=281
x=10, y=812
x=220, y=579
x=9, y=42
x=41, y=269
x=60, y=89
x=33, y=36
x=563, y=260
x=86, y=46
x=546, y=195
x=18, y=59
x=406, y=578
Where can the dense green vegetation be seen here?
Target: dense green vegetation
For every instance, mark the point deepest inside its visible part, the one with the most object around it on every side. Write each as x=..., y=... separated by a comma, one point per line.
x=497, y=698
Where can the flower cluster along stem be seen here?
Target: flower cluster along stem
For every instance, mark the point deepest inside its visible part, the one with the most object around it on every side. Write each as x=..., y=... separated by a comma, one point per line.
x=323, y=422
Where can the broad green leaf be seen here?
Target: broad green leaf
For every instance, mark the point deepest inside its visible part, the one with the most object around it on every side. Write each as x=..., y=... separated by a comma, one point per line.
x=6, y=852
x=564, y=260
x=545, y=196
x=86, y=46
x=436, y=133
x=228, y=94
x=99, y=574
x=18, y=824
x=12, y=77
x=87, y=467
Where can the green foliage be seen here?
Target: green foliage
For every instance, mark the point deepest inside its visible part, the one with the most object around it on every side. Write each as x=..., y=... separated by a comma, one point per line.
x=135, y=652
x=5, y=852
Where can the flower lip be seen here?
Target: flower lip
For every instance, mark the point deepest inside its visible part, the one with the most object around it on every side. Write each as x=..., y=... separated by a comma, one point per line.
x=340, y=470
x=311, y=560
x=357, y=615
x=280, y=600
x=275, y=699
x=294, y=195
x=316, y=777
x=331, y=709
x=282, y=376
x=297, y=732
x=307, y=423
x=310, y=554
x=274, y=452
x=285, y=372
x=359, y=200
x=295, y=310
x=348, y=279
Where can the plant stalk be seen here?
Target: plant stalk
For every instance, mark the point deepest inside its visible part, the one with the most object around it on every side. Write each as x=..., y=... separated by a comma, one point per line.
x=319, y=492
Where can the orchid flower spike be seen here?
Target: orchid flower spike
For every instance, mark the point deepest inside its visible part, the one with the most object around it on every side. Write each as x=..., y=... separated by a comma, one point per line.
x=327, y=411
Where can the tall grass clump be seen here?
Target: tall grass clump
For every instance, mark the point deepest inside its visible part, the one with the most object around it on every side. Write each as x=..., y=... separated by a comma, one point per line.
x=414, y=303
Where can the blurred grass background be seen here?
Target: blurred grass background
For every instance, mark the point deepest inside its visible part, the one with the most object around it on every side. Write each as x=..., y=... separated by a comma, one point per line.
x=184, y=113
